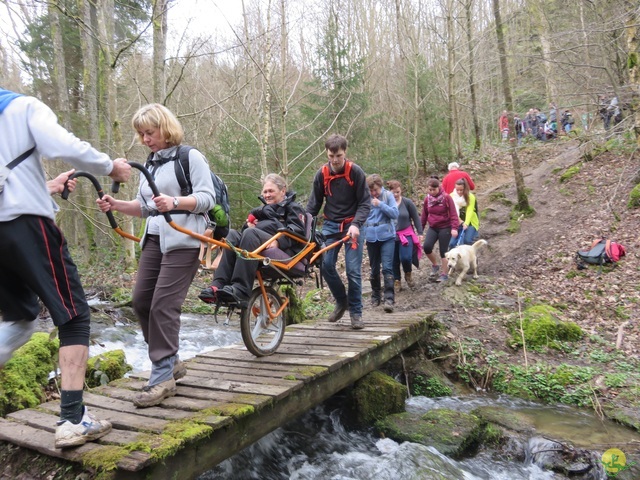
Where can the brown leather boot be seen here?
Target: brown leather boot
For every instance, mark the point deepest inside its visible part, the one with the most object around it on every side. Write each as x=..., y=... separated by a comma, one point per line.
x=409, y=280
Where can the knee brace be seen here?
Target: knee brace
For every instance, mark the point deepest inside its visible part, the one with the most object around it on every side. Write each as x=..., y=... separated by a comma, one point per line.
x=75, y=331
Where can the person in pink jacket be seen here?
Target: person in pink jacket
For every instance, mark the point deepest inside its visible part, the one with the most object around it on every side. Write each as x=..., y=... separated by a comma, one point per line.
x=439, y=213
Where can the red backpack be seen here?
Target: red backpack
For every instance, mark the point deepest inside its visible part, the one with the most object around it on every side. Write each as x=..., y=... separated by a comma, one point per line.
x=328, y=178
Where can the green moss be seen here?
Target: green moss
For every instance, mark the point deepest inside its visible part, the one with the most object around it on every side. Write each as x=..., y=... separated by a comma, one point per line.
x=310, y=371
x=289, y=377
x=235, y=410
x=542, y=327
x=24, y=376
x=106, y=367
x=634, y=197
x=375, y=396
x=452, y=432
x=105, y=459
x=570, y=172
x=295, y=311
x=632, y=60
x=429, y=387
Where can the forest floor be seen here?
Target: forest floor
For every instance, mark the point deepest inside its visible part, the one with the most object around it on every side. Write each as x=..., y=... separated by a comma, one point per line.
x=531, y=261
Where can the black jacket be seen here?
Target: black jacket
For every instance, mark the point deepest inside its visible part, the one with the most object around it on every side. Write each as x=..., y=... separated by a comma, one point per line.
x=287, y=214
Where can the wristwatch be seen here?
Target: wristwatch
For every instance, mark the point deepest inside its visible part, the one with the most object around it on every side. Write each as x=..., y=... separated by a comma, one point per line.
x=176, y=202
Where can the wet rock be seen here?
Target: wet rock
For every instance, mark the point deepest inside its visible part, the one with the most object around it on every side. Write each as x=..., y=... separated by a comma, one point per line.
x=375, y=396
x=452, y=433
x=508, y=418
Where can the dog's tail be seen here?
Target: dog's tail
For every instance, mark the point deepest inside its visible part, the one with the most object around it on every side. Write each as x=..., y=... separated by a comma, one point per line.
x=479, y=244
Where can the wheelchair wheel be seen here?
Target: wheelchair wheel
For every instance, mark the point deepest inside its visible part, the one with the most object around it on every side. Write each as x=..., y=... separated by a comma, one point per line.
x=260, y=334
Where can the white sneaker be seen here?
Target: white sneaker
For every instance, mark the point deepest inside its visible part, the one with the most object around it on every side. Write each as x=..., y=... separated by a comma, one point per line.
x=13, y=335
x=73, y=435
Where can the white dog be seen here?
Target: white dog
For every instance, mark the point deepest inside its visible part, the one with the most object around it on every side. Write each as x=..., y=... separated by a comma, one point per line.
x=463, y=258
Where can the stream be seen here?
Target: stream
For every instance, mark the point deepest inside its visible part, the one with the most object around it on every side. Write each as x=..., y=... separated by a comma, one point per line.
x=321, y=445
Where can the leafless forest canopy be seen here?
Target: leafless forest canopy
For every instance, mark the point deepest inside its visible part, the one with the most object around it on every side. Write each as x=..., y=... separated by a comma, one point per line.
x=411, y=83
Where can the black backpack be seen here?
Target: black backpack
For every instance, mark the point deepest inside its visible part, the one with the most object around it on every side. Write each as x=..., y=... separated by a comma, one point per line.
x=219, y=214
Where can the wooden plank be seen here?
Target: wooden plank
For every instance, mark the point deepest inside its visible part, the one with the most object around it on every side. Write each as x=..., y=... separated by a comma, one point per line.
x=119, y=405
x=121, y=420
x=245, y=377
x=43, y=442
x=47, y=422
x=277, y=358
x=275, y=391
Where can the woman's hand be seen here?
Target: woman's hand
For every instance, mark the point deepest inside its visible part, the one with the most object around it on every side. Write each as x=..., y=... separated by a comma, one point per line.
x=274, y=244
x=454, y=232
x=375, y=202
x=464, y=226
x=106, y=203
x=164, y=203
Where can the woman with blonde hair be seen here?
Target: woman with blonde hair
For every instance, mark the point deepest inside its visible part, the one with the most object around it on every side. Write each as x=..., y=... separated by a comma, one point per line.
x=169, y=259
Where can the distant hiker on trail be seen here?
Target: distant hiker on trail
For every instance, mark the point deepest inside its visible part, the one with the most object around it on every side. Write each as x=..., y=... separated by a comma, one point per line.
x=450, y=179
x=341, y=185
x=503, y=125
x=35, y=263
x=519, y=128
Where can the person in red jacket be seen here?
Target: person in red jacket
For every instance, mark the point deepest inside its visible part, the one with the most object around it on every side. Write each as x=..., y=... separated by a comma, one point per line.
x=439, y=212
x=455, y=174
x=503, y=125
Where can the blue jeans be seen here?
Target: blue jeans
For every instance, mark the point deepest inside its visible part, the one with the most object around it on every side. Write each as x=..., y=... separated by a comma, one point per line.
x=381, y=253
x=470, y=235
x=353, y=262
x=403, y=255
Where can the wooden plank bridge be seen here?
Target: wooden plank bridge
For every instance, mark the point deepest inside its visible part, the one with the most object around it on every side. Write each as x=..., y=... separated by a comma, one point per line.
x=228, y=400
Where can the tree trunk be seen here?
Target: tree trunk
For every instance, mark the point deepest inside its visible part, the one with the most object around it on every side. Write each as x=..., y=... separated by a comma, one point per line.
x=523, y=201
x=454, y=139
x=472, y=83
x=283, y=95
x=90, y=71
x=266, y=89
x=159, y=49
x=59, y=69
x=633, y=63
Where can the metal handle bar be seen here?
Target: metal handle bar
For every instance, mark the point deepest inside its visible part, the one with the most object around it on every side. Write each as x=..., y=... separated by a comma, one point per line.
x=98, y=187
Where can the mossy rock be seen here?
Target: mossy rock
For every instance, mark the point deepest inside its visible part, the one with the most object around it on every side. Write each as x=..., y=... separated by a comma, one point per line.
x=542, y=326
x=570, y=172
x=625, y=415
x=452, y=433
x=375, y=396
x=106, y=367
x=426, y=379
x=24, y=376
x=634, y=197
x=505, y=417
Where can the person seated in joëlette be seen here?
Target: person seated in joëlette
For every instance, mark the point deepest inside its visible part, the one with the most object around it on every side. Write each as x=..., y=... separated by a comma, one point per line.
x=234, y=277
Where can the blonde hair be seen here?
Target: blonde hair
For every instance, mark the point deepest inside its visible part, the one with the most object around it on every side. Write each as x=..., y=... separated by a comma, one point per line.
x=373, y=180
x=158, y=116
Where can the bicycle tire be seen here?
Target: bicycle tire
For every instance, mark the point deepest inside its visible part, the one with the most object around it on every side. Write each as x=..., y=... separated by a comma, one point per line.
x=261, y=335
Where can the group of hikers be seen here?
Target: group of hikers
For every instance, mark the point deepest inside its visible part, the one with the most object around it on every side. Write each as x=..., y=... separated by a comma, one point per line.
x=36, y=265
x=536, y=124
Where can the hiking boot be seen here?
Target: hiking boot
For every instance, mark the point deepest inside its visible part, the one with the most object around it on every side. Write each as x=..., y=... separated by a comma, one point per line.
x=13, y=335
x=442, y=278
x=338, y=312
x=409, y=280
x=356, y=322
x=72, y=435
x=388, y=306
x=435, y=270
x=375, y=301
x=151, y=396
x=397, y=286
x=179, y=369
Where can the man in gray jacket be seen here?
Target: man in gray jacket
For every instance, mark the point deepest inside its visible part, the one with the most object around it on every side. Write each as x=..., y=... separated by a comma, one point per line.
x=34, y=259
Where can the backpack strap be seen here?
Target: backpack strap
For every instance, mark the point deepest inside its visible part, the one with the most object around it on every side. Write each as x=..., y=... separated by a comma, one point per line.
x=183, y=175
x=327, y=178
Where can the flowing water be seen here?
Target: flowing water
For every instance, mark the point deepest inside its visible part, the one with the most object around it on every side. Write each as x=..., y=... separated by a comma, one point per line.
x=319, y=445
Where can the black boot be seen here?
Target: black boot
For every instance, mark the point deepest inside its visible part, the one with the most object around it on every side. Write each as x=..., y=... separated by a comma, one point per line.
x=375, y=291
x=389, y=295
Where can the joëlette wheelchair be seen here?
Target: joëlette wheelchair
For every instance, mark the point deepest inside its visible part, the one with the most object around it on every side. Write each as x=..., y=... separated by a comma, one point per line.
x=262, y=317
